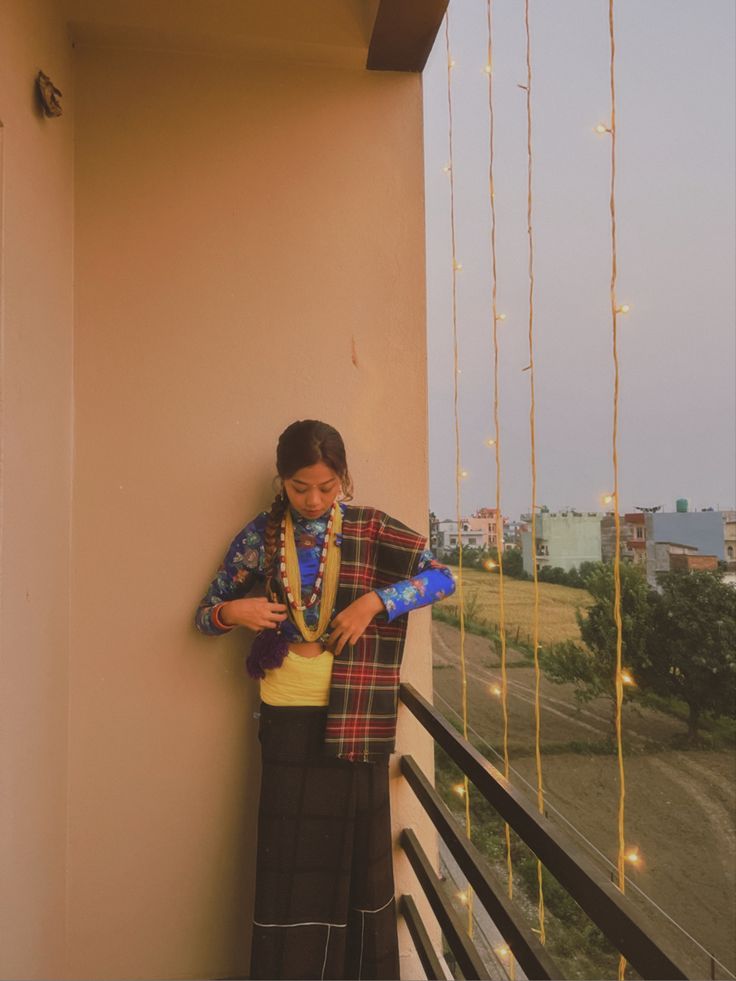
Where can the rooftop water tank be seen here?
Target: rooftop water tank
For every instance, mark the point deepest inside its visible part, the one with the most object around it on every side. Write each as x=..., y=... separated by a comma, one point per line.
x=681, y=505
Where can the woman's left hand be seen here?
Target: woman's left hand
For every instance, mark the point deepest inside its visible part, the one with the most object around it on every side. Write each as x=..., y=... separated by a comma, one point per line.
x=350, y=623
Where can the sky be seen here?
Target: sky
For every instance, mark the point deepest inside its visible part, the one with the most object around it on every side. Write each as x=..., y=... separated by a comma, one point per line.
x=675, y=207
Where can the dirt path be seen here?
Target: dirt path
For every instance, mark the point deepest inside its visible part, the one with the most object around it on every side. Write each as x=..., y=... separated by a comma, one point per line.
x=680, y=806
x=593, y=718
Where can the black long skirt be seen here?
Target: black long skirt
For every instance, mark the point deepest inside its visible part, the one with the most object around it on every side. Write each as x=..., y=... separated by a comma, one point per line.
x=324, y=903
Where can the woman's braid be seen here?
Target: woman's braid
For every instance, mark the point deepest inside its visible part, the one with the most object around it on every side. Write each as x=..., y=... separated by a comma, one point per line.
x=271, y=532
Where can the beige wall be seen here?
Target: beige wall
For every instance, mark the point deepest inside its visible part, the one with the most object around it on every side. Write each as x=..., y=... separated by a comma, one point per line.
x=36, y=253
x=249, y=250
x=201, y=249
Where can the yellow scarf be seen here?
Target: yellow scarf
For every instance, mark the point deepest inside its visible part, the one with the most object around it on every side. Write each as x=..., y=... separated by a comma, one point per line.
x=330, y=575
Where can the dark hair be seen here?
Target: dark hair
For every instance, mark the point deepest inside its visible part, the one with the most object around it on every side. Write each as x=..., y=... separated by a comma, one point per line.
x=302, y=444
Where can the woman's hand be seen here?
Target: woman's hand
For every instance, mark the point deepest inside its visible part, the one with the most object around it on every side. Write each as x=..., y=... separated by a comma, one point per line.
x=351, y=622
x=257, y=613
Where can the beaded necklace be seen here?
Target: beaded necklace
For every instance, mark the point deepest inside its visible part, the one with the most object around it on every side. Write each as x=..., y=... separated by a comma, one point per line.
x=325, y=585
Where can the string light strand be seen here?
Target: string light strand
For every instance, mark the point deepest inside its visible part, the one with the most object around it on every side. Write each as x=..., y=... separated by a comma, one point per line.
x=615, y=310
x=459, y=473
x=532, y=431
x=496, y=442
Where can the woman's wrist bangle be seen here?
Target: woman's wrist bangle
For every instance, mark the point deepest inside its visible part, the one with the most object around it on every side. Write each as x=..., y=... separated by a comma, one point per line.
x=217, y=620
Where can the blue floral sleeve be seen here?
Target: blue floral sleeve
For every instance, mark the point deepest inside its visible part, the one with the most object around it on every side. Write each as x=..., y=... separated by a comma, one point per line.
x=236, y=576
x=432, y=582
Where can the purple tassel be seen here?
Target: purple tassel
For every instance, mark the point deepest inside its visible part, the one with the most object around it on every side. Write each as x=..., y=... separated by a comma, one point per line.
x=269, y=649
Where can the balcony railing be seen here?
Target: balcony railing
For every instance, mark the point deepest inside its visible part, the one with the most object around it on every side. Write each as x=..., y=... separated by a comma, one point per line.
x=624, y=926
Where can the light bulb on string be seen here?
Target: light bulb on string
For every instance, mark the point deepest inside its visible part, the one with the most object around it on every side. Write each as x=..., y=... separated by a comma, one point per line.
x=459, y=789
x=502, y=951
x=463, y=474
x=488, y=69
x=606, y=499
x=627, y=678
x=601, y=128
x=501, y=316
x=451, y=63
x=632, y=856
x=490, y=442
x=447, y=168
x=457, y=266
x=624, y=308
x=463, y=897
x=495, y=690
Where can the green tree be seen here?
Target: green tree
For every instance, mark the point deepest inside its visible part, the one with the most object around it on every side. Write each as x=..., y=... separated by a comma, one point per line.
x=692, y=645
x=449, y=555
x=586, y=570
x=592, y=668
x=554, y=574
x=513, y=564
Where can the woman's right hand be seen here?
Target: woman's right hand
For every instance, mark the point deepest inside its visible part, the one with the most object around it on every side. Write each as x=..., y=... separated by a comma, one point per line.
x=258, y=613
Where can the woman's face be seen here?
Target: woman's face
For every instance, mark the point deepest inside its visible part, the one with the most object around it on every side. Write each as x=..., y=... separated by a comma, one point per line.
x=312, y=490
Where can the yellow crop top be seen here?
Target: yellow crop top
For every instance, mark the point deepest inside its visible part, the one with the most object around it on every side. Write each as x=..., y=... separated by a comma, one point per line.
x=299, y=680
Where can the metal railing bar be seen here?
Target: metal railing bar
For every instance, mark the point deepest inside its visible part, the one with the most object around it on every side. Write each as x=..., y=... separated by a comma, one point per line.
x=467, y=956
x=525, y=946
x=630, y=884
x=429, y=959
x=610, y=910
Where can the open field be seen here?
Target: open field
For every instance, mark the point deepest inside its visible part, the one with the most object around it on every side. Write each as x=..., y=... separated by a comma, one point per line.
x=557, y=605
x=680, y=805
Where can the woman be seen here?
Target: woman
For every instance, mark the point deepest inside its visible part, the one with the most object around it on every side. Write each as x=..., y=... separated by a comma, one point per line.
x=335, y=582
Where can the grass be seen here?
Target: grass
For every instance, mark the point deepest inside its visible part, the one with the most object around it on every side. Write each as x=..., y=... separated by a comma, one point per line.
x=557, y=606
x=577, y=945
x=714, y=733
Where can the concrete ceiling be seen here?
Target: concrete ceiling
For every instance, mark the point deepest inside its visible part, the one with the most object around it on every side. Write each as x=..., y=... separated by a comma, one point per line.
x=332, y=32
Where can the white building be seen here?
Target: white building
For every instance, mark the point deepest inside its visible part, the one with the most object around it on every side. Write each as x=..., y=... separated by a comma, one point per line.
x=563, y=540
x=729, y=539
x=447, y=536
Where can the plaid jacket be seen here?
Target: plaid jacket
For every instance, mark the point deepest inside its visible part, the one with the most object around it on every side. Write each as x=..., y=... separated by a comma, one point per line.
x=377, y=550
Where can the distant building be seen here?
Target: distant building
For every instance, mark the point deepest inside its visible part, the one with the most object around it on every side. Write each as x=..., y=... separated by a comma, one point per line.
x=512, y=533
x=477, y=531
x=447, y=536
x=676, y=557
x=703, y=530
x=608, y=537
x=683, y=540
x=484, y=520
x=687, y=562
x=729, y=539
x=633, y=538
x=658, y=557
x=563, y=539
x=434, y=527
